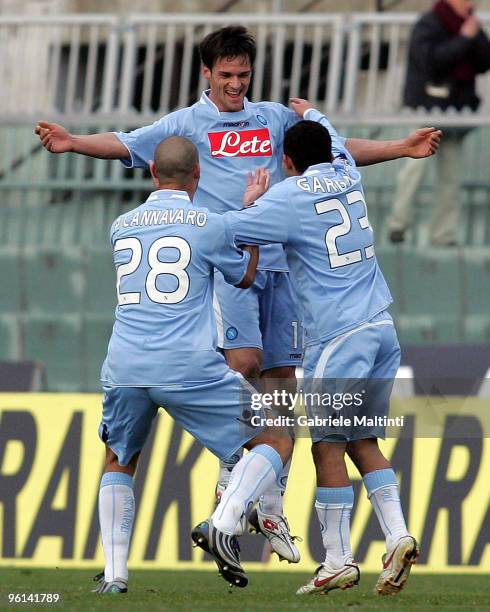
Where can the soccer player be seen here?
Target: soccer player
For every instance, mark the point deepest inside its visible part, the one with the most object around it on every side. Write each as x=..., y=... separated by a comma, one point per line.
x=162, y=352
x=319, y=214
x=259, y=329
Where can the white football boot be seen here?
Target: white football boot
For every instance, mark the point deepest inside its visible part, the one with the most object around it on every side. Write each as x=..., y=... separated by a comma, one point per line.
x=275, y=528
x=397, y=564
x=118, y=585
x=327, y=579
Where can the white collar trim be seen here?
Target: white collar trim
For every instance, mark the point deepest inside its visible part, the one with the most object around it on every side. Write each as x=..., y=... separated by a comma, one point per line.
x=178, y=195
x=205, y=99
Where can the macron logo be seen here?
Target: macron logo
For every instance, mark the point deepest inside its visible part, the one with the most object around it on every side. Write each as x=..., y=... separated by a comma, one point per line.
x=249, y=143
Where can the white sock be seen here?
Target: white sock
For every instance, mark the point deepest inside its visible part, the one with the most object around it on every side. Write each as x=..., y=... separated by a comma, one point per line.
x=116, y=516
x=252, y=475
x=272, y=501
x=333, y=506
x=226, y=467
x=383, y=493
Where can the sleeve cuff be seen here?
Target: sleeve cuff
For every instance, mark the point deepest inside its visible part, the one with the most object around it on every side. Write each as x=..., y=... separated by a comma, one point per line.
x=129, y=162
x=310, y=111
x=246, y=259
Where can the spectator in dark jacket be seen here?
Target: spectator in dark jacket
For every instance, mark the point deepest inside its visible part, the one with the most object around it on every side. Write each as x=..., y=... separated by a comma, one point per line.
x=448, y=48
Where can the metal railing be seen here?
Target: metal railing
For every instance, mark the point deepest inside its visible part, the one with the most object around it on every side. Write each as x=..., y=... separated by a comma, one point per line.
x=91, y=69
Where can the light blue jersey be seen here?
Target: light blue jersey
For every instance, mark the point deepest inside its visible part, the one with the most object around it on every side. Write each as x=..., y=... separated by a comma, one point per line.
x=321, y=219
x=230, y=145
x=165, y=331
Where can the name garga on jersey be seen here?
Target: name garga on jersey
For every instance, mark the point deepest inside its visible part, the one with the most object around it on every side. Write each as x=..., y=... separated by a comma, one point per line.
x=323, y=184
x=165, y=216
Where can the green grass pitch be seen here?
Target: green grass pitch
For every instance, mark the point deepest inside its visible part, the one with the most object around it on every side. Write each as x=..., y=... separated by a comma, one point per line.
x=193, y=590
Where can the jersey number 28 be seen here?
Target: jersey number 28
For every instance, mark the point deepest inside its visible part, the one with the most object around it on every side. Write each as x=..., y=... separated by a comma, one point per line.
x=175, y=268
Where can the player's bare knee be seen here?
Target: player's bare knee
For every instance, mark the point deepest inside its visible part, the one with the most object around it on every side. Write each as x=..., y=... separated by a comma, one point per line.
x=354, y=451
x=316, y=452
x=246, y=361
x=279, y=379
x=279, y=440
x=286, y=372
x=327, y=451
x=284, y=446
x=358, y=449
x=250, y=367
x=366, y=455
x=112, y=463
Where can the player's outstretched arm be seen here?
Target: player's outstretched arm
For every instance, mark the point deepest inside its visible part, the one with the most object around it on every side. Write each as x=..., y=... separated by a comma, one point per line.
x=57, y=139
x=418, y=144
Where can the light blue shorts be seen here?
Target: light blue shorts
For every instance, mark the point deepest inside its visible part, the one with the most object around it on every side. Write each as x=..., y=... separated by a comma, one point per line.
x=266, y=316
x=216, y=413
x=354, y=375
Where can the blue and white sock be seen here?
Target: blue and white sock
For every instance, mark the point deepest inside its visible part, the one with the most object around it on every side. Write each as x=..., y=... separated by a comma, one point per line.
x=383, y=493
x=333, y=506
x=271, y=502
x=116, y=516
x=256, y=472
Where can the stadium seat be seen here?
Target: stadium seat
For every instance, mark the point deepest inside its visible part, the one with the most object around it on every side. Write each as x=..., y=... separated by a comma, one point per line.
x=427, y=330
x=70, y=223
x=476, y=214
x=97, y=213
x=94, y=226
x=11, y=275
x=55, y=279
x=101, y=282
x=432, y=282
x=10, y=348
x=13, y=223
x=42, y=226
x=476, y=329
x=56, y=341
x=378, y=204
x=97, y=331
x=476, y=295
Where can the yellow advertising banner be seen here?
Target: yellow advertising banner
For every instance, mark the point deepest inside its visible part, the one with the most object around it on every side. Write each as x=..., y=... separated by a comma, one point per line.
x=51, y=461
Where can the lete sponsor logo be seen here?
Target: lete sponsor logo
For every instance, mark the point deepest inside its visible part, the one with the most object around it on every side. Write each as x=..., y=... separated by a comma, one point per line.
x=249, y=143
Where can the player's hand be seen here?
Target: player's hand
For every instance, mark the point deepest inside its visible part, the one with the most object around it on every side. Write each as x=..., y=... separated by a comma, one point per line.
x=55, y=138
x=300, y=106
x=423, y=142
x=257, y=184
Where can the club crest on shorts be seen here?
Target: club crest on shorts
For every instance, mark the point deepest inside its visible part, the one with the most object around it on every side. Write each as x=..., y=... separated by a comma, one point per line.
x=232, y=333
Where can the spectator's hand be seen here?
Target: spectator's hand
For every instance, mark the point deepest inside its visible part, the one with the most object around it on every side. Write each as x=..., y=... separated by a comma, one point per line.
x=423, y=142
x=257, y=185
x=55, y=138
x=470, y=27
x=299, y=105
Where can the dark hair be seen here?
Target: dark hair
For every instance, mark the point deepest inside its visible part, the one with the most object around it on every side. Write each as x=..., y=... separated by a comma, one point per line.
x=229, y=42
x=308, y=143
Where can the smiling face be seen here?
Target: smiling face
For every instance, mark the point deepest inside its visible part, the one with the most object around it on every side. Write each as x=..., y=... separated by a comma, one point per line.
x=229, y=80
